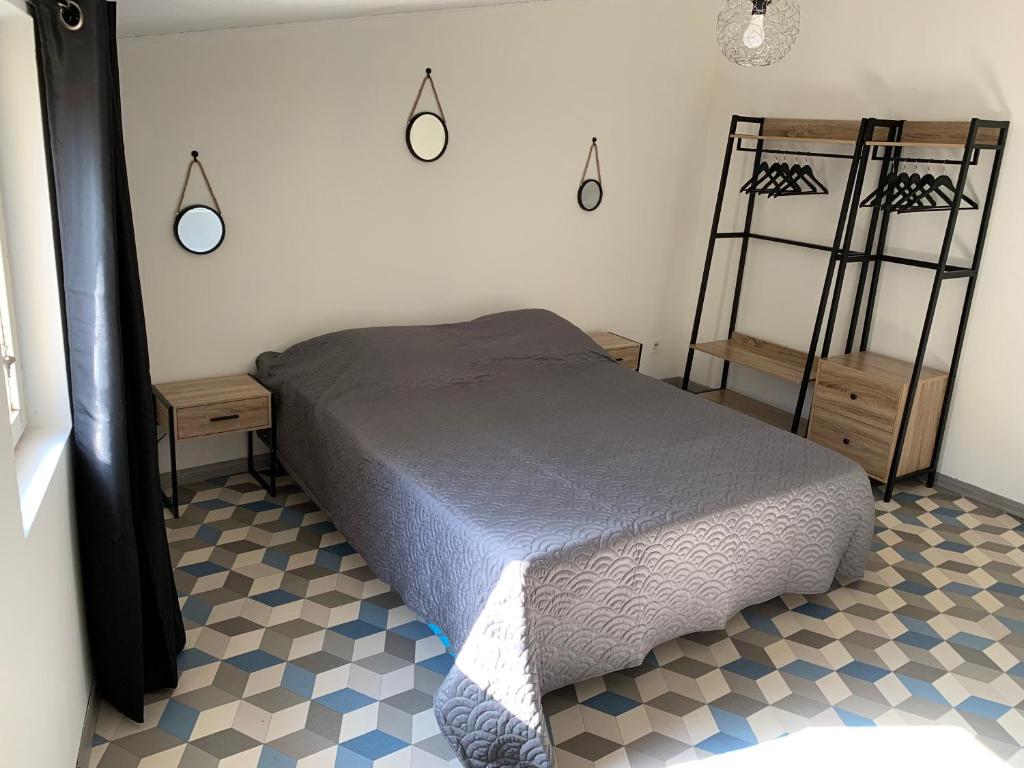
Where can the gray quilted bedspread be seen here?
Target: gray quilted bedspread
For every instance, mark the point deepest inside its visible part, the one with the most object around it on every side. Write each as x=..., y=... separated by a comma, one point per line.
x=557, y=515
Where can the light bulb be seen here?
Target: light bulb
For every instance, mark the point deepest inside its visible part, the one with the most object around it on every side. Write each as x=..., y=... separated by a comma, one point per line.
x=748, y=36
x=753, y=37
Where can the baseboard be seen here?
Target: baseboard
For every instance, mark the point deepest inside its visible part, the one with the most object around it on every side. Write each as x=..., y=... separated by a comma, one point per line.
x=973, y=492
x=217, y=469
x=88, y=728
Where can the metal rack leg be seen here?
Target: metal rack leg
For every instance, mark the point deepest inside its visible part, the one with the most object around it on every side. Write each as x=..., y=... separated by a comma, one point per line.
x=851, y=223
x=861, y=281
x=870, y=246
x=954, y=365
x=709, y=257
x=933, y=300
x=883, y=236
x=859, y=159
x=742, y=267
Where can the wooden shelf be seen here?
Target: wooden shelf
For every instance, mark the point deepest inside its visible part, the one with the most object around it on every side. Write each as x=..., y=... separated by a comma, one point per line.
x=809, y=139
x=769, y=414
x=939, y=134
x=764, y=356
x=847, y=142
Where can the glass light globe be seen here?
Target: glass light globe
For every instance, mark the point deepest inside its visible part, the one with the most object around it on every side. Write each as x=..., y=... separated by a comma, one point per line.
x=756, y=33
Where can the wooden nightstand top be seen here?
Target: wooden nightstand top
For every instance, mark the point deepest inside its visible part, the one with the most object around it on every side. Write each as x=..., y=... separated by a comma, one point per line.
x=609, y=341
x=224, y=389
x=625, y=352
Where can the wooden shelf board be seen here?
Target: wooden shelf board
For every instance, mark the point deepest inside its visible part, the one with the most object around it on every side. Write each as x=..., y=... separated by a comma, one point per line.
x=919, y=144
x=808, y=139
x=848, y=142
x=769, y=414
x=764, y=356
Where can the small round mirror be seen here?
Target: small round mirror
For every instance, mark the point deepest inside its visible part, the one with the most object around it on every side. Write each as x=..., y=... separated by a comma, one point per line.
x=427, y=136
x=199, y=229
x=590, y=195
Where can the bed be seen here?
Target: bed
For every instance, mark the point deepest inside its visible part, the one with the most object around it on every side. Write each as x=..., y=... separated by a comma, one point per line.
x=557, y=515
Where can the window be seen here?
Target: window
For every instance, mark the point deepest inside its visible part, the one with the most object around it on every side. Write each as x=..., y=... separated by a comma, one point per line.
x=8, y=358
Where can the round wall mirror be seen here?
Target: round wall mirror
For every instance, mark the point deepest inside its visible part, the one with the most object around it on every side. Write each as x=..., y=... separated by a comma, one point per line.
x=427, y=136
x=199, y=229
x=590, y=195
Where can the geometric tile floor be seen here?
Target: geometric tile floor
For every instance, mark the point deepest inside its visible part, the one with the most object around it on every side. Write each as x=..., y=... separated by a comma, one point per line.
x=298, y=656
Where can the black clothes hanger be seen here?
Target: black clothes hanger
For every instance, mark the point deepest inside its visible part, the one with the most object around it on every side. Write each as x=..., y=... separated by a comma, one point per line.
x=783, y=179
x=878, y=197
x=903, y=192
x=777, y=179
x=759, y=172
x=804, y=182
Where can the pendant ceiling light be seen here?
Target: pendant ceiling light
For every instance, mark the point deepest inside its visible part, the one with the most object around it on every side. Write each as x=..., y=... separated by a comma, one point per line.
x=756, y=33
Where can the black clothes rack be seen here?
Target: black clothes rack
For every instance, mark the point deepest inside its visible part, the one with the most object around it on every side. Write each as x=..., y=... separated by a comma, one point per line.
x=870, y=141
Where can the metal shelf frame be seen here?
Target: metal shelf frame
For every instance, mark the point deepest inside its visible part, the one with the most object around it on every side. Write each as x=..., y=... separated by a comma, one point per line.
x=867, y=148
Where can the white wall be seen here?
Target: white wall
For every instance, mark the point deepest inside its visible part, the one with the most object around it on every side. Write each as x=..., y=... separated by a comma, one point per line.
x=44, y=675
x=332, y=224
x=860, y=59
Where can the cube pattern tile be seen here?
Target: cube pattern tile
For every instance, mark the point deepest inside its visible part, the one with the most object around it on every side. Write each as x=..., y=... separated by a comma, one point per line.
x=297, y=656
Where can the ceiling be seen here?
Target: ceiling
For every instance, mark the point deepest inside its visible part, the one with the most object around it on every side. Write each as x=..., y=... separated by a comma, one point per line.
x=160, y=17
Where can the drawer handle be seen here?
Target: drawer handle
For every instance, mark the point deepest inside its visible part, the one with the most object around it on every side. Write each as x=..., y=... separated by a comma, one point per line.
x=225, y=418
x=854, y=395
x=846, y=441
x=619, y=359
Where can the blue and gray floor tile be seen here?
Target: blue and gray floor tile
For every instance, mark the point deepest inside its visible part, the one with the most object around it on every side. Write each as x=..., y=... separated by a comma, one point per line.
x=297, y=656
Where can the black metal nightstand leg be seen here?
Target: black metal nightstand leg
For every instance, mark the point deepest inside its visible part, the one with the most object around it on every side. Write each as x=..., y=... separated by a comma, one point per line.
x=270, y=486
x=273, y=450
x=174, y=468
x=171, y=502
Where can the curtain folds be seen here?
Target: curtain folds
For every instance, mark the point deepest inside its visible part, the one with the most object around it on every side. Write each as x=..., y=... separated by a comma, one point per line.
x=134, y=623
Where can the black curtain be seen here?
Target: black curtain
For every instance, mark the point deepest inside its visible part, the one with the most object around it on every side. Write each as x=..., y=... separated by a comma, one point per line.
x=134, y=624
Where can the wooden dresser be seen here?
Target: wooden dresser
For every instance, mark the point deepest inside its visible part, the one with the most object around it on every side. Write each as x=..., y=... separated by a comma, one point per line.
x=625, y=351
x=859, y=401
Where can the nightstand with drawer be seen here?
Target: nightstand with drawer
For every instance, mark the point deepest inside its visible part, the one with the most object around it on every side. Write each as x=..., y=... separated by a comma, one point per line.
x=625, y=352
x=203, y=407
x=859, y=401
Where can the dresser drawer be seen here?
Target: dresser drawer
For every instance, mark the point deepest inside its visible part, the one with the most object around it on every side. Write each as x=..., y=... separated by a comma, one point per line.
x=867, y=445
x=218, y=418
x=874, y=400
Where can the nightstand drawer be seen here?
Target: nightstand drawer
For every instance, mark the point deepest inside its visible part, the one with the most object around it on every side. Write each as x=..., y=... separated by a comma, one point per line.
x=865, y=444
x=625, y=352
x=627, y=357
x=871, y=399
x=239, y=415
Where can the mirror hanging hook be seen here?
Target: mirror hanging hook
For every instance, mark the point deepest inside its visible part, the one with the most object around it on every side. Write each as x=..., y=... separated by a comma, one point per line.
x=591, y=191
x=596, y=155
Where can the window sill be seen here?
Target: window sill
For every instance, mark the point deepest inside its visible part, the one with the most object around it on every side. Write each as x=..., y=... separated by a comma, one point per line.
x=36, y=457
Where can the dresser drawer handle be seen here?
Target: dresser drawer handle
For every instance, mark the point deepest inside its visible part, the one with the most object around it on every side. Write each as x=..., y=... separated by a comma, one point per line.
x=619, y=359
x=225, y=418
x=854, y=395
x=846, y=441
